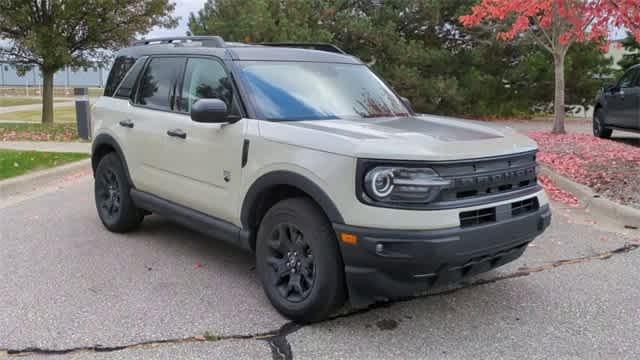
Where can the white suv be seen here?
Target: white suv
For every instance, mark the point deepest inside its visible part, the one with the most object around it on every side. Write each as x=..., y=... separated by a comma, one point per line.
x=304, y=156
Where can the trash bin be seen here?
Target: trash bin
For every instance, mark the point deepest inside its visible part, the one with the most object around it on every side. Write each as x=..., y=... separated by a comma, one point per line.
x=83, y=114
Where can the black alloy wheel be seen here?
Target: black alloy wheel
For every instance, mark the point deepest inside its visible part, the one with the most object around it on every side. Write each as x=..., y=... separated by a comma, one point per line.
x=108, y=194
x=292, y=262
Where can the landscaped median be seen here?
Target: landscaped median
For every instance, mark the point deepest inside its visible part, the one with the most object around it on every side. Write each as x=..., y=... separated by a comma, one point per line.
x=14, y=163
x=601, y=175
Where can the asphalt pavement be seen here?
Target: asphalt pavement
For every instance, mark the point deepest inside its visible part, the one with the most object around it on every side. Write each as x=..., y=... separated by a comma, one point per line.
x=71, y=290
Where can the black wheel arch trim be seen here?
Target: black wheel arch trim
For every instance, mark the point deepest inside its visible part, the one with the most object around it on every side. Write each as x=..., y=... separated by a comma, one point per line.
x=282, y=177
x=108, y=140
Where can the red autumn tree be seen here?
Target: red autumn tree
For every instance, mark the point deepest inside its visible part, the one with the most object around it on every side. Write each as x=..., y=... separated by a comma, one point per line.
x=556, y=25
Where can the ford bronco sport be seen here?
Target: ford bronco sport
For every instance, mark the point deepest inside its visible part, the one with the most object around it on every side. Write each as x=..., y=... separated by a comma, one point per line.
x=302, y=155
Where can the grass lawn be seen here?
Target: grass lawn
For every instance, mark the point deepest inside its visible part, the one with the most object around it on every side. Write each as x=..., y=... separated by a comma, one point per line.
x=38, y=132
x=60, y=115
x=14, y=163
x=15, y=101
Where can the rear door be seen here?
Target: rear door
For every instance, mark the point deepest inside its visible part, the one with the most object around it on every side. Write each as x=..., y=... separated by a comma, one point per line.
x=113, y=111
x=151, y=113
x=622, y=101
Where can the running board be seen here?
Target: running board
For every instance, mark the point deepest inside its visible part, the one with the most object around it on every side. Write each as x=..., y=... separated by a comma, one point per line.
x=193, y=219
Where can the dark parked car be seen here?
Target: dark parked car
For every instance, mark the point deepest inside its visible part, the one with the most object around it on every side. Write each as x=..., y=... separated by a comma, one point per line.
x=618, y=106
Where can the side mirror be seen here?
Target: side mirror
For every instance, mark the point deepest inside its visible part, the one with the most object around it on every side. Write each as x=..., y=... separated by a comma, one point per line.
x=210, y=111
x=406, y=102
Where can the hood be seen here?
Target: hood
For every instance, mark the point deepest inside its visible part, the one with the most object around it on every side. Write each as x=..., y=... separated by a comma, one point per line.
x=421, y=137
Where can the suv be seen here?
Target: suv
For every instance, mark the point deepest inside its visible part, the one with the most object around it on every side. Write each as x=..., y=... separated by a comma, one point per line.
x=302, y=155
x=618, y=106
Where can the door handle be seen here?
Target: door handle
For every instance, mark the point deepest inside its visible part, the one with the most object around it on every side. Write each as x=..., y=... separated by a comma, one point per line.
x=177, y=133
x=127, y=123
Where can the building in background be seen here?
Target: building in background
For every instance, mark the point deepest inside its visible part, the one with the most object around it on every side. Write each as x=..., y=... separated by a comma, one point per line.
x=68, y=77
x=615, y=51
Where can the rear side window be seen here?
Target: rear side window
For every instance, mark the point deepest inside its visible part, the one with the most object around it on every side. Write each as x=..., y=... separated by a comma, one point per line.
x=158, y=83
x=126, y=88
x=121, y=66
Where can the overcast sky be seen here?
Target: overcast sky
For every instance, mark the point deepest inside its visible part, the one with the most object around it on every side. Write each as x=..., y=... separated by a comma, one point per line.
x=183, y=9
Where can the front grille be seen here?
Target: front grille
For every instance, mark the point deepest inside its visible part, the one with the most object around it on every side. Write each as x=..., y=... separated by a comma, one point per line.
x=477, y=217
x=475, y=179
x=524, y=207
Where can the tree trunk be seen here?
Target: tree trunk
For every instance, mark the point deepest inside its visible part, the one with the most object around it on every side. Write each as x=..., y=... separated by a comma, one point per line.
x=47, y=96
x=558, y=104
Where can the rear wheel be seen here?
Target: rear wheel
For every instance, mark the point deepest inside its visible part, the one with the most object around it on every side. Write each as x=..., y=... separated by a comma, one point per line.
x=599, y=128
x=299, y=262
x=115, y=207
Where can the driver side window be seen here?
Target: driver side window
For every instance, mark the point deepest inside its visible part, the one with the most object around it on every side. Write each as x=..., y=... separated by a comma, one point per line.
x=205, y=79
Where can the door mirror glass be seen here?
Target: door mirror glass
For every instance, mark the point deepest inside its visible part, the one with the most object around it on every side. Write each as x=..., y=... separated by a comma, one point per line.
x=209, y=111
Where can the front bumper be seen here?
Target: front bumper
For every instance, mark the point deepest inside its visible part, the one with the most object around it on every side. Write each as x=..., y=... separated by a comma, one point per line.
x=387, y=264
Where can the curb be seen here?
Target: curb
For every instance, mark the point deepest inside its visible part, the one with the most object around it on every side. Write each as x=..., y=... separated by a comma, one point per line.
x=29, y=182
x=597, y=205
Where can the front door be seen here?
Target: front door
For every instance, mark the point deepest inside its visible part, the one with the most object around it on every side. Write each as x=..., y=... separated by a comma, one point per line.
x=204, y=158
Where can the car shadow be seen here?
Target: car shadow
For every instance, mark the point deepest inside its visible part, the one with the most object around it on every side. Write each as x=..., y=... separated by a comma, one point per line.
x=627, y=139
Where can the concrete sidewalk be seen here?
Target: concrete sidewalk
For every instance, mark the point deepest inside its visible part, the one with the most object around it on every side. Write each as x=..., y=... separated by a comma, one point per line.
x=50, y=146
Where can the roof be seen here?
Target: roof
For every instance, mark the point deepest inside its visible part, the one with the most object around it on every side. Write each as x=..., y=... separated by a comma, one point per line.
x=268, y=53
x=214, y=45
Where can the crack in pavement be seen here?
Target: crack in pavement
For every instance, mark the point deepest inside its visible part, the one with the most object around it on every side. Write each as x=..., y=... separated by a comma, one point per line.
x=280, y=347
x=277, y=339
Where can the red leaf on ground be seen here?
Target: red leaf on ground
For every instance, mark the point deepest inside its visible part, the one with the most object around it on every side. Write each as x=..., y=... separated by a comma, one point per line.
x=557, y=194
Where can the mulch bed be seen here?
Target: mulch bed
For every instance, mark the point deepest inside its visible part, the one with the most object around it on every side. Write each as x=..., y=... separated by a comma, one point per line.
x=610, y=168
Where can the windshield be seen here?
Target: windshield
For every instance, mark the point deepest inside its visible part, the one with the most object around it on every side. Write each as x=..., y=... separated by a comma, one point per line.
x=315, y=91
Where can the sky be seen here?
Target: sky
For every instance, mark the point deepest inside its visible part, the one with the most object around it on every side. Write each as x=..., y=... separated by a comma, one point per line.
x=183, y=9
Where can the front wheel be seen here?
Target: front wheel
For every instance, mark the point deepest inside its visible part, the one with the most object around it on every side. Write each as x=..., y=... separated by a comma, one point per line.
x=599, y=128
x=298, y=261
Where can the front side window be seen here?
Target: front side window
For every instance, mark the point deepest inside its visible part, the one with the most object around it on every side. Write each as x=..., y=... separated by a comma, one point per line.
x=627, y=79
x=205, y=79
x=158, y=84
x=284, y=91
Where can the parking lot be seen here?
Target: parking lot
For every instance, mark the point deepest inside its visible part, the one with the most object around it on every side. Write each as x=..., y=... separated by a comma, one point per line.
x=71, y=290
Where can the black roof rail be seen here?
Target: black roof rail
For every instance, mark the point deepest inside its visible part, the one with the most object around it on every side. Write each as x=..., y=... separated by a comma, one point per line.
x=313, y=46
x=207, y=41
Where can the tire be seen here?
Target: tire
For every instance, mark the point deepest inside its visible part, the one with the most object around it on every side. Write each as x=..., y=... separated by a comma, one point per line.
x=299, y=262
x=599, y=128
x=115, y=207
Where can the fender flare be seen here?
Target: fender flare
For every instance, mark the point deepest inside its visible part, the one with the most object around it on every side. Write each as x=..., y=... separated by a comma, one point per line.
x=108, y=140
x=295, y=180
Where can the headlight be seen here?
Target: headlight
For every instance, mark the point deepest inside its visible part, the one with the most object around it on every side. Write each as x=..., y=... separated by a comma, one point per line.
x=403, y=185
